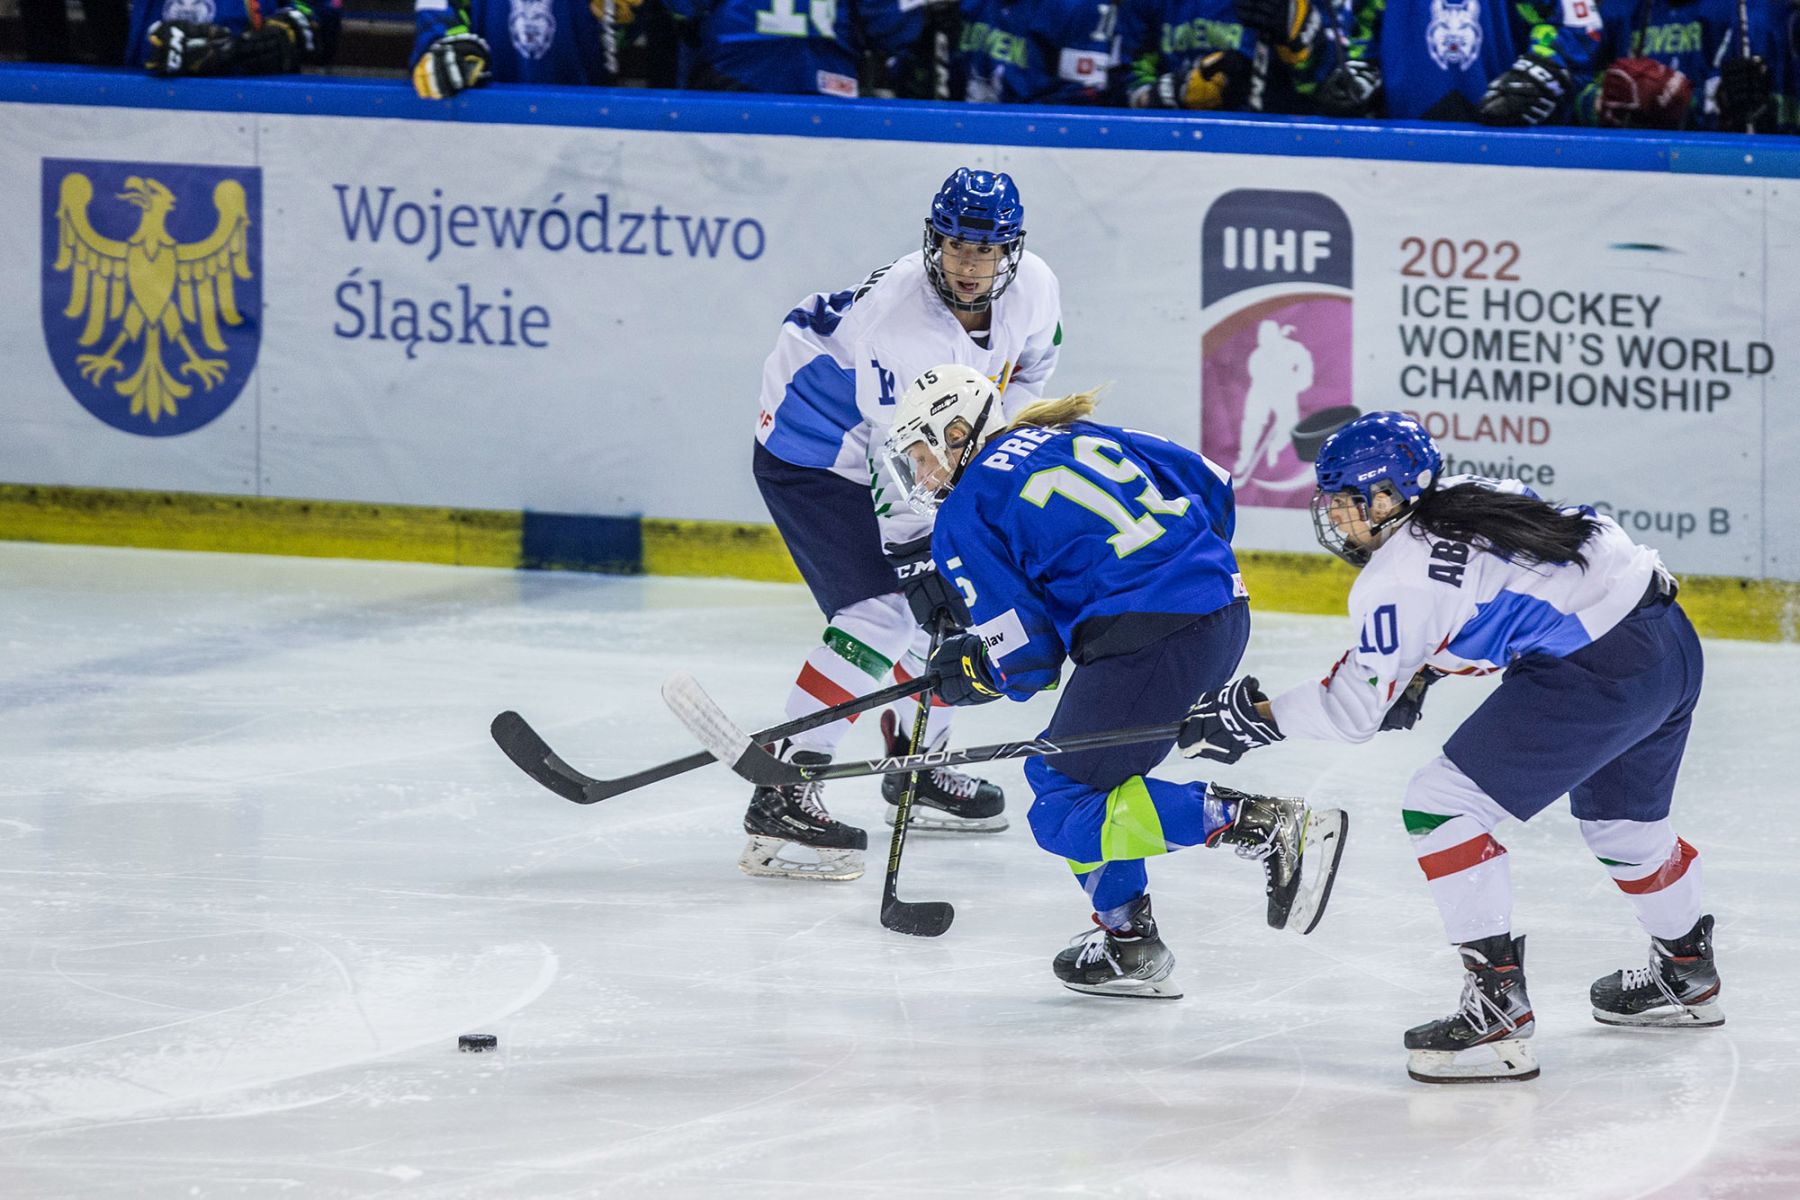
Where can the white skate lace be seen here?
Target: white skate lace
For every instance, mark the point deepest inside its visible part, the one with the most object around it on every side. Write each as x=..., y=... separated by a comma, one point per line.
x=1097, y=946
x=1639, y=977
x=1476, y=1007
x=961, y=786
x=811, y=805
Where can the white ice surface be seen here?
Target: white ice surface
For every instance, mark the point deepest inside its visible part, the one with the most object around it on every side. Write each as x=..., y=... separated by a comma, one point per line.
x=260, y=865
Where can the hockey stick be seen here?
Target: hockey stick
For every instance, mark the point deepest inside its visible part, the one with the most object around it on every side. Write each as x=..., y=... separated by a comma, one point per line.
x=532, y=755
x=609, y=36
x=943, y=18
x=1259, y=75
x=925, y=918
x=1743, y=21
x=731, y=745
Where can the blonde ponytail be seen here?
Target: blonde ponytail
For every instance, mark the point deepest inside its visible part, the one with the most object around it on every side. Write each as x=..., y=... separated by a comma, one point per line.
x=1047, y=414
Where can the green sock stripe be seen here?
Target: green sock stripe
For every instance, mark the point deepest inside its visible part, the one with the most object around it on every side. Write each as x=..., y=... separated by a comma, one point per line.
x=1613, y=862
x=1133, y=828
x=855, y=653
x=1420, y=823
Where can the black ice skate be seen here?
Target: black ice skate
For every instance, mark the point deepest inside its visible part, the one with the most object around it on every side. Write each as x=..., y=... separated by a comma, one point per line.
x=1299, y=846
x=947, y=801
x=1495, y=1013
x=1680, y=986
x=1120, y=962
x=787, y=819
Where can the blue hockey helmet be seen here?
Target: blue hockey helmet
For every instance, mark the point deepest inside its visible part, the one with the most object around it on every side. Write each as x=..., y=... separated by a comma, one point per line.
x=1380, y=454
x=977, y=208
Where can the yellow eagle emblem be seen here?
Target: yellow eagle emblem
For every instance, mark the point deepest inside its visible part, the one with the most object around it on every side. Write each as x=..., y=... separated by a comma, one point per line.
x=153, y=288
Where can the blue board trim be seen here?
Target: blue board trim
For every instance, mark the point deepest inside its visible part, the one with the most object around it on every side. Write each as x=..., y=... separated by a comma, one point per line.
x=572, y=542
x=1763, y=156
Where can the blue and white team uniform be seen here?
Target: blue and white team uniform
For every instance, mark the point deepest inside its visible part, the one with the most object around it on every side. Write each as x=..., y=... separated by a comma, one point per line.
x=1602, y=671
x=1037, y=51
x=528, y=41
x=803, y=47
x=1112, y=548
x=1697, y=38
x=1437, y=57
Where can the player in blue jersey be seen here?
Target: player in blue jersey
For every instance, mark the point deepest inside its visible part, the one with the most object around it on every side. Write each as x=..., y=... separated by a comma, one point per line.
x=460, y=44
x=1037, y=51
x=804, y=47
x=1069, y=539
x=1681, y=64
x=231, y=37
x=1204, y=54
x=1469, y=576
x=1465, y=60
x=971, y=294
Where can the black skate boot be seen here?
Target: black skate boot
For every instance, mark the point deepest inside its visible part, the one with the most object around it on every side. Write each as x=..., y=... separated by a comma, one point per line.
x=784, y=817
x=947, y=801
x=1495, y=1012
x=1120, y=962
x=1680, y=987
x=1299, y=846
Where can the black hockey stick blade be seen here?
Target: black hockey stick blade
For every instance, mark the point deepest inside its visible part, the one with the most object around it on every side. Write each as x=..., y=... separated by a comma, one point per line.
x=532, y=755
x=925, y=918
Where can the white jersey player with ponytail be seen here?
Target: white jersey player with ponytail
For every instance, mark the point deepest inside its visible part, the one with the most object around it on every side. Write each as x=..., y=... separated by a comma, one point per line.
x=974, y=296
x=1602, y=673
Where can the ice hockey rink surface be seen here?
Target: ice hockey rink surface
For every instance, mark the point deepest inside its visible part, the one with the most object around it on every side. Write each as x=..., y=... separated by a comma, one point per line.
x=261, y=865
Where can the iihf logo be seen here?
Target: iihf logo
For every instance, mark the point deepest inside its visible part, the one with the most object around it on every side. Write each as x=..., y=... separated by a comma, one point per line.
x=1275, y=279
x=1454, y=35
x=151, y=293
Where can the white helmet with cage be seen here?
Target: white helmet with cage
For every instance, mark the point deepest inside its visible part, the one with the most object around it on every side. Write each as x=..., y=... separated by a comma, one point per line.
x=939, y=424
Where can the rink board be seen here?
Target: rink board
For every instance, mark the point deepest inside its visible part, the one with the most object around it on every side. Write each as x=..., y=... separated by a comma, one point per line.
x=577, y=327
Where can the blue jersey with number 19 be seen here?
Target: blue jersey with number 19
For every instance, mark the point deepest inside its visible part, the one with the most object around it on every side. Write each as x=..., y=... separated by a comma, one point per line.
x=1050, y=531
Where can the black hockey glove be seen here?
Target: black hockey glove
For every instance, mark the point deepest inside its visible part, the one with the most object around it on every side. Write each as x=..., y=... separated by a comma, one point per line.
x=1291, y=25
x=928, y=593
x=1743, y=94
x=188, y=48
x=1353, y=90
x=451, y=64
x=1527, y=93
x=965, y=675
x=1224, y=724
x=1404, y=713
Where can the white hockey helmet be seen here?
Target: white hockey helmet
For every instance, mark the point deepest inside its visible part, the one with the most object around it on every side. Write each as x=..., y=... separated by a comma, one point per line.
x=939, y=424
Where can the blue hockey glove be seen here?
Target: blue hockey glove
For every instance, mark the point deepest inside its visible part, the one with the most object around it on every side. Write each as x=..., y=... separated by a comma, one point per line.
x=1405, y=711
x=965, y=675
x=1224, y=724
x=928, y=593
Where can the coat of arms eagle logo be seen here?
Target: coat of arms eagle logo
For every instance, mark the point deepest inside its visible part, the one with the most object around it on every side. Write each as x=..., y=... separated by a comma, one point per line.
x=153, y=289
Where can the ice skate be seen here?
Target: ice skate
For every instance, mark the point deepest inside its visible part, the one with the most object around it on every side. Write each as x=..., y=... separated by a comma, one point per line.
x=1131, y=961
x=1678, y=989
x=1494, y=1016
x=947, y=801
x=1299, y=846
x=793, y=837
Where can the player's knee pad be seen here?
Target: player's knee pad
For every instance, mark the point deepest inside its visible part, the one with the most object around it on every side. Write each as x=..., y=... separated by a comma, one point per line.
x=1053, y=816
x=881, y=625
x=1630, y=841
x=1440, y=792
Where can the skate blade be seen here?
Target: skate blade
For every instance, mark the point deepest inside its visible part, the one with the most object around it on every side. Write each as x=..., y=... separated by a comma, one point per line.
x=1511, y=1061
x=1321, y=851
x=1131, y=989
x=932, y=820
x=1690, y=1016
x=763, y=858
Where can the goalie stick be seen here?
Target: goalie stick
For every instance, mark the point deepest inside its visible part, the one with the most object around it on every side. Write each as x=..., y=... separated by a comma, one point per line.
x=741, y=752
x=924, y=918
x=532, y=755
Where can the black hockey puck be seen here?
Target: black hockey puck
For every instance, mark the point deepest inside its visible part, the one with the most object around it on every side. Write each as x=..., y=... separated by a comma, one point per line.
x=475, y=1043
x=1311, y=432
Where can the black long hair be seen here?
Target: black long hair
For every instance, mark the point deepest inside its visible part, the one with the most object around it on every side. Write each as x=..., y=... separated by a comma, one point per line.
x=1517, y=527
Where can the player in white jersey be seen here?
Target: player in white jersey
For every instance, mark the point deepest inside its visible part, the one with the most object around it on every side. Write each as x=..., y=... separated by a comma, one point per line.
x=973, y=295
x=1469, y=576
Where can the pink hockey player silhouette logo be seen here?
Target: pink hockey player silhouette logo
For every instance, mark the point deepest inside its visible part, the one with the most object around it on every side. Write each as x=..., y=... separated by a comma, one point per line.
x=1276, y=341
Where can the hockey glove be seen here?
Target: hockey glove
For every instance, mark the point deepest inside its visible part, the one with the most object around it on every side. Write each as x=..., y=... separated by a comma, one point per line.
x=1527, y=93
x=1219, y=81
x=1353, y=90
x=1290, y=25
x=1404, y=713
x=965, y=675
x=1224, y=724
x=928, y=593
x=451, y=64
x=1743, y=94
x=188, y=48
x=1641, y=93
